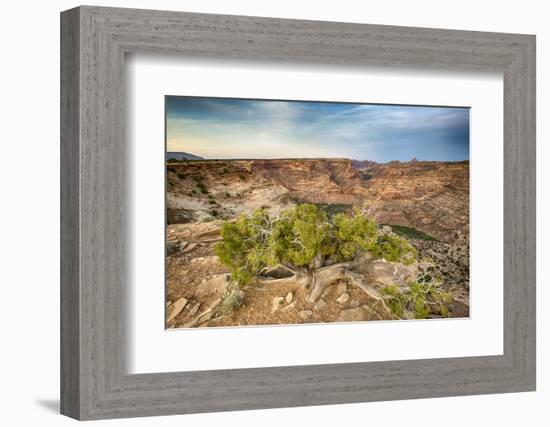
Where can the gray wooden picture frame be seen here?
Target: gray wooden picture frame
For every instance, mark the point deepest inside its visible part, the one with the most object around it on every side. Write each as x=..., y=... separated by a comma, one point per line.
x=94, y=381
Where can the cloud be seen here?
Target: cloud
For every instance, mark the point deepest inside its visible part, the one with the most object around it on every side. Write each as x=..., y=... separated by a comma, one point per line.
x=224, y=128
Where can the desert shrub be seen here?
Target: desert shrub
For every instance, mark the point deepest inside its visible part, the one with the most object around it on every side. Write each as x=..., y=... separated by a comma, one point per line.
x=245, y=246
x=395, y=299
x=225, y=170
x=393, y=249
x=242, y=177
x=214, y=213
x=227, y=195
x=197, y=178
x=181, y=175
x=423, y=297
x=352, y=234
x=212, y=202
x=231, y=302
x=302, y=236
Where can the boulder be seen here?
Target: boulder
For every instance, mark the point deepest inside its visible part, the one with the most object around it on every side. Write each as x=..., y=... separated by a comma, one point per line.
x=213, y=285
x=361, y=263
x=289, y=297
x=371, y=314
x=385, y=273
x=277, y=272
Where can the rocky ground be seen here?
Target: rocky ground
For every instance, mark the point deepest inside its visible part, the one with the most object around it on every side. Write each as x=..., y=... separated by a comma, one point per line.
x=198, y=285
x=429, y=196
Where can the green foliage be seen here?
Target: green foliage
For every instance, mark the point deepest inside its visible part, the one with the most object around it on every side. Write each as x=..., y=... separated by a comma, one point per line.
x=242, y=177
x=212, y=202
x=353, y=234
x=246, y=246
x=394, y=249
x=424, y=297
x=231, y=302
x=395, y=299
x=302, y=236
x=225, y=170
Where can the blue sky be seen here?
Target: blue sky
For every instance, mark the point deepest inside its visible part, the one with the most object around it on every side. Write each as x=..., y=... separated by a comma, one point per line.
x=219, y=128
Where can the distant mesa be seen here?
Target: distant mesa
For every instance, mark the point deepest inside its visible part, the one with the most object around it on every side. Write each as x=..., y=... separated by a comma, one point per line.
x=181, y=155
x=358, y=164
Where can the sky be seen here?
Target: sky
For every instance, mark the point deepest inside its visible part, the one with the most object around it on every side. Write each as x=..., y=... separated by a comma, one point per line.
x=224, y=128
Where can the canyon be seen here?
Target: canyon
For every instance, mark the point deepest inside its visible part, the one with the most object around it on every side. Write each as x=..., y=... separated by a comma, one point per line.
x=425, y=201
x=432, y=197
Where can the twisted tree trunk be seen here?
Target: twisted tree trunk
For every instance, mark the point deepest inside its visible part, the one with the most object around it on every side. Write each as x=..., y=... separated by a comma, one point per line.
x=317, y=280
x=326, y=276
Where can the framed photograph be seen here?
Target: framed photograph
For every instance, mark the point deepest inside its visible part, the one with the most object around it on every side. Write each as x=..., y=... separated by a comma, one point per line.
x=336, y=233
x=262, y=213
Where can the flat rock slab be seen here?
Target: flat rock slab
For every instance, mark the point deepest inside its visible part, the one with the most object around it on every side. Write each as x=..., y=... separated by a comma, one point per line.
x=213, y=285
x=390, y=273
x=320, y=305
x=174, y=309
x=351, y=315
x=342, y=299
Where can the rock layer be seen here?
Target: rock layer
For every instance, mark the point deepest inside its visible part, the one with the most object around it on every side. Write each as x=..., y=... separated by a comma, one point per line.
x=432, y=197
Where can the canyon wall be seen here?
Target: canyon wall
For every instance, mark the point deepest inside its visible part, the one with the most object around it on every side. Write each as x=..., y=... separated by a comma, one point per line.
x=432, y=197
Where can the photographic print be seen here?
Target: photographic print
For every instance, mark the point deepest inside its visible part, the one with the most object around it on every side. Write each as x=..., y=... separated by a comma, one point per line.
x=286, y=212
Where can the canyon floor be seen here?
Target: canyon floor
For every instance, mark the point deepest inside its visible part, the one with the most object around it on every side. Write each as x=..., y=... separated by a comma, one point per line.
x=425, y=202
